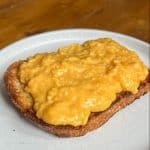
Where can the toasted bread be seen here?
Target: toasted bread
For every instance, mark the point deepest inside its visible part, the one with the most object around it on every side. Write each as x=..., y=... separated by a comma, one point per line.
x=23, y=102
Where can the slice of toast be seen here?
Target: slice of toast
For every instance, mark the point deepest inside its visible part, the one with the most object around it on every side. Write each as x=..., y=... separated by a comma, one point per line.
x=23, y=102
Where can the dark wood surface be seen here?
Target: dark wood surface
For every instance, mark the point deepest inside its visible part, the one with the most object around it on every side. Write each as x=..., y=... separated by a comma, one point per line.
x=22, y=18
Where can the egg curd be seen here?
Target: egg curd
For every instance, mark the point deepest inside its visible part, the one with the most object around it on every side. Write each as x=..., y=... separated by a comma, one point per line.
x=67, y=85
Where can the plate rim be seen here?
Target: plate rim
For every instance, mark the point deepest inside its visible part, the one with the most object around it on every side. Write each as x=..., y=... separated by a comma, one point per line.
x=36, y=36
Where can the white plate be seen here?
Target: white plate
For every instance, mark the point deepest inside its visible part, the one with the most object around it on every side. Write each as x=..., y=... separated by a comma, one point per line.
x=127, y=130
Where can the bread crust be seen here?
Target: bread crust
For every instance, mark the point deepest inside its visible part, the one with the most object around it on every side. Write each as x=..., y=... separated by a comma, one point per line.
x=20, y=100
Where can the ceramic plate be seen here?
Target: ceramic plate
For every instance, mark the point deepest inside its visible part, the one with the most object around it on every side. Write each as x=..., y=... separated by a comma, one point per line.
x=126, y=130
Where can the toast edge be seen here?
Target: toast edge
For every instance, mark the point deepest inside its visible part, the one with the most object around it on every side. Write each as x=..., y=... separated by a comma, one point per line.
x=95, y=120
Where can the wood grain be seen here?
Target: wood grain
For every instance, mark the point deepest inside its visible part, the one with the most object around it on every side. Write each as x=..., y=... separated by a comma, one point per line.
x=21, y=18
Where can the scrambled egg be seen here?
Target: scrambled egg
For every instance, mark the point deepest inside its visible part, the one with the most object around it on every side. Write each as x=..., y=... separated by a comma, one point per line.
x=67, y=85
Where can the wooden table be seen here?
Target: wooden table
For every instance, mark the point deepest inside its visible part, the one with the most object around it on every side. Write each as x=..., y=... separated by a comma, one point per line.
x=22, y=18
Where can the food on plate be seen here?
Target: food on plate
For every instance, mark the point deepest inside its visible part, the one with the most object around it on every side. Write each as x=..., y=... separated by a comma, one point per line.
x=77, y=88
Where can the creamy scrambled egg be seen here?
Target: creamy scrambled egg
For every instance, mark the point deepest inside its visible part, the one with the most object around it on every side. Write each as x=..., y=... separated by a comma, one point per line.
x=67, y=85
